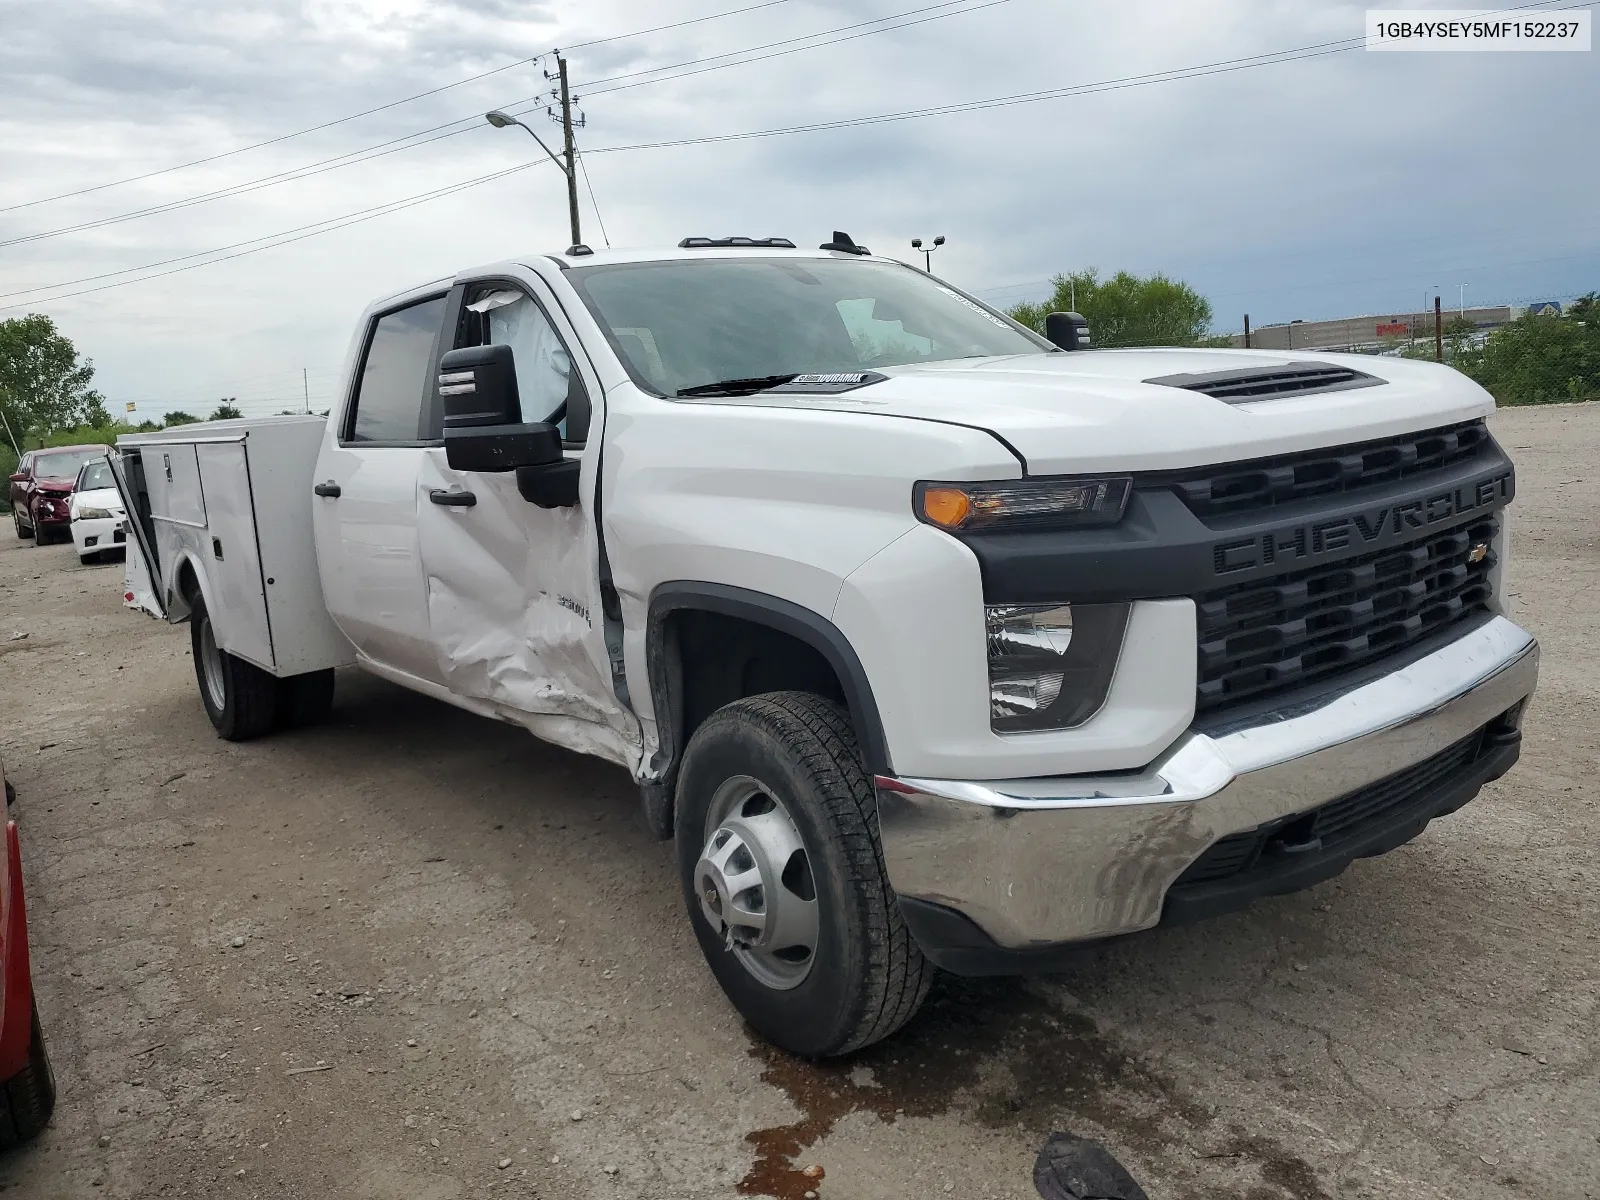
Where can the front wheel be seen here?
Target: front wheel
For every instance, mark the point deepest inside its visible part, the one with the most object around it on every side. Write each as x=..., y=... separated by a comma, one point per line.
x=16, y=523
x=784, y=879
x=240, y=698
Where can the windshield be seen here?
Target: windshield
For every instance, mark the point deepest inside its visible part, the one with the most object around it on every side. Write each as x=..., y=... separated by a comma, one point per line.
x=683, y=324
x=65, y=464
x=95, y=475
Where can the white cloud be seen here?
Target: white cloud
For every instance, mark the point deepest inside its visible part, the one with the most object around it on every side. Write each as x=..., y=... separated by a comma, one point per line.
x=1341, y=183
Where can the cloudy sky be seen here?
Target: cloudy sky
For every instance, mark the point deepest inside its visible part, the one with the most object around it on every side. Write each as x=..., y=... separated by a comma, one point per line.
x=1323, y=183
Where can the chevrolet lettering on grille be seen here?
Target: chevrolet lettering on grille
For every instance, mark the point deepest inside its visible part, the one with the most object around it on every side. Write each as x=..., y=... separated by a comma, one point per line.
x=1375, y=527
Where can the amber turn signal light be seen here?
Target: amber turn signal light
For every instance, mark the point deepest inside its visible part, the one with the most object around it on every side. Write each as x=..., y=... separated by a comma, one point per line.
x=946, y=506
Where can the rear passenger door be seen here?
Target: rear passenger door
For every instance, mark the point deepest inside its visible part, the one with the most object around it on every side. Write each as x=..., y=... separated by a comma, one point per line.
x=514, y=599
x=365, y=503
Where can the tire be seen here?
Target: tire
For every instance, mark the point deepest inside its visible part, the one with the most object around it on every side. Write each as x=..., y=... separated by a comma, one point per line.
x=305, y=699
x=865, y=976
x=90, y=558
x=240, y=698
x=29, y=1097
x=16, y=522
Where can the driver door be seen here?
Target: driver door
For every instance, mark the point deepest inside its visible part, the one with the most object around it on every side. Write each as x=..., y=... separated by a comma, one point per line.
x=513, y=590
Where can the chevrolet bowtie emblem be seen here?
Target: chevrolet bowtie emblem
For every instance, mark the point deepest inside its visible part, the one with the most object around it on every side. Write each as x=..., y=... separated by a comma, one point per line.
x=1478, y=553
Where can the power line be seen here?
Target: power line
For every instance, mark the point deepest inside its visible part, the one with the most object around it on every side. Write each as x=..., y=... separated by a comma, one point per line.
x=279, y=239
x=467, y=124
x=582, y=166
x=1225, y=66
x=100, y=187
x=589, y=88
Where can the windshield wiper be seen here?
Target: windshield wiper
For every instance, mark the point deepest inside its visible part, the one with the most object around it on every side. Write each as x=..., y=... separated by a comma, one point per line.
x=737, y=387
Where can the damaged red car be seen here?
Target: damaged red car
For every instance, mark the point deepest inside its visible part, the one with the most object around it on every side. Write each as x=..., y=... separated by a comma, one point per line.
x=41, y=490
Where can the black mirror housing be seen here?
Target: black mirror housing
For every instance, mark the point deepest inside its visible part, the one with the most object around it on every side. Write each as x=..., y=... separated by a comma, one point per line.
x=502, y=447
x=478, y=386
x=1067, y=330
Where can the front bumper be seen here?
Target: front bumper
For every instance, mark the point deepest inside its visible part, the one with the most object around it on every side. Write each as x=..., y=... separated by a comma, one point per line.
x=98, y=533
x=1005, y=872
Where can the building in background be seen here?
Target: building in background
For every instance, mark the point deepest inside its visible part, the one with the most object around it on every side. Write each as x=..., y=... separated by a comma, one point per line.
x=1373, y=334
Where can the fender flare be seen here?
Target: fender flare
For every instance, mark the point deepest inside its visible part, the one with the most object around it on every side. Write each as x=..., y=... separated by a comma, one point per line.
x=759, y=608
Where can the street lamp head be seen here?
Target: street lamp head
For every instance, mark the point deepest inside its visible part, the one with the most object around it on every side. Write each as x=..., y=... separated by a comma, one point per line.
x=916, y=243
x=499, y=119
x=939, y=241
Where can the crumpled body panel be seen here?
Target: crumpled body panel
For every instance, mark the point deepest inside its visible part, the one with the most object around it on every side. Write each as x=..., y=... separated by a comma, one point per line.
x=514, y=608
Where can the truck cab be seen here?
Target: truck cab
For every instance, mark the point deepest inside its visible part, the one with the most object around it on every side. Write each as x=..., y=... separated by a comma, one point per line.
x=932, y=641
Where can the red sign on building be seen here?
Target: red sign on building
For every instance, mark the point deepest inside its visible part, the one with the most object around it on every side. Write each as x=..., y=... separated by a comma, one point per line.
x=1393, y=329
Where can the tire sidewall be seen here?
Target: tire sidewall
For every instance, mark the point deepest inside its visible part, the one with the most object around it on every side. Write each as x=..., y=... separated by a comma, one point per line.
x=199, y=617
x=817, y=1016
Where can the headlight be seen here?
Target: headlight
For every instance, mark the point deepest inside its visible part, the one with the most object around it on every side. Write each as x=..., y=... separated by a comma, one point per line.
x=94, y=514
x=1023, y=504
x=1050, y=665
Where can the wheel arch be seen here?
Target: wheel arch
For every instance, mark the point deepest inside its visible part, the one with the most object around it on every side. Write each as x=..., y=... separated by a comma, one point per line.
x=188, y=577
x=672, y=690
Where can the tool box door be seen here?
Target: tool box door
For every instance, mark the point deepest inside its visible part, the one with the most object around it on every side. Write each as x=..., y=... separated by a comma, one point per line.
x=141, y=569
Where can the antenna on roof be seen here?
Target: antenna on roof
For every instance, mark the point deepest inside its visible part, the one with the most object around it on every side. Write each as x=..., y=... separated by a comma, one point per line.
x=843, y=242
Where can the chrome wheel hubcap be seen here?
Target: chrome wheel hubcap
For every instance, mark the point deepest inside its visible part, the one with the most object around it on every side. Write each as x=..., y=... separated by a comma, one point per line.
x=211, y=664
x=755, y=885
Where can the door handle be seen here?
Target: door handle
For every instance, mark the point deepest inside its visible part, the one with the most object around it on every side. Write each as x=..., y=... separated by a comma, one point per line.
x=329, y=489
x=452, y=499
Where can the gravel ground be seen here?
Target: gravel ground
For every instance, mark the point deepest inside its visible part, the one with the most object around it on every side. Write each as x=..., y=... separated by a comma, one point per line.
x=413, y=953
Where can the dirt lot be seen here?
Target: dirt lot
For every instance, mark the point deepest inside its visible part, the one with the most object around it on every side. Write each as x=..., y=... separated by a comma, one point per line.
x=415, y=954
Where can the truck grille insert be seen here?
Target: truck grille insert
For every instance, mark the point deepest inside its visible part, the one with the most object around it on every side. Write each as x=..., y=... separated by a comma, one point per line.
x=1265, y=483
x=1276, y=634
x=1339, y=823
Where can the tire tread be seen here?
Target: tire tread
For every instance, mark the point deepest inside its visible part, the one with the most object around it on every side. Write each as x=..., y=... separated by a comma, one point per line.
x=820, y=732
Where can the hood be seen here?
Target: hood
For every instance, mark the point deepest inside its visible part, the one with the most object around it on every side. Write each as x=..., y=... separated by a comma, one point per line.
x=55, y=483
x=108, y=498
x=1097, y=411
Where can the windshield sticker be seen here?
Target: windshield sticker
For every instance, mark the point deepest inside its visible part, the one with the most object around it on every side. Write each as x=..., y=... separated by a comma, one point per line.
x=980, y=310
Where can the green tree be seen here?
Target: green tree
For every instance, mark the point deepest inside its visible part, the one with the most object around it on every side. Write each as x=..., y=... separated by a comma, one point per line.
x=44, y=384
x=226, y=411
x=1541, y=359
x=1126, y=310
x=178, y=418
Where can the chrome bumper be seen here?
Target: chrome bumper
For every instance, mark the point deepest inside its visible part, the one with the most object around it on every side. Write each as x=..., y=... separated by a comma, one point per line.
x=1041, y=862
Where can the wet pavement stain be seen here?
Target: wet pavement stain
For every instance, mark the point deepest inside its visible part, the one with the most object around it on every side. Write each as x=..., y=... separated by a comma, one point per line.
x=1052, y=1064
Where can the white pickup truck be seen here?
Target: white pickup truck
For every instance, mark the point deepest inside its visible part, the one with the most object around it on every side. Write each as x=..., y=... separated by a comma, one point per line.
x=933, y=642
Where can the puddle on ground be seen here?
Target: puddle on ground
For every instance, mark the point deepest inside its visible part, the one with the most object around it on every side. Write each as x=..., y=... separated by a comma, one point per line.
x=1057, y=1067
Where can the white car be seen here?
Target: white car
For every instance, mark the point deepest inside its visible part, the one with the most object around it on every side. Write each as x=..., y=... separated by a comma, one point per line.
x=97, y=512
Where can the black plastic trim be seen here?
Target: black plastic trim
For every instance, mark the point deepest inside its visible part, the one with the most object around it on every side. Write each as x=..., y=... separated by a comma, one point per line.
x=1162, y=549
x=1286, y=376
x=785, y=617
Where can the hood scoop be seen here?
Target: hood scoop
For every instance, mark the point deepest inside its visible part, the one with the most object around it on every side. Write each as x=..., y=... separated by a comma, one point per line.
x=1270, y=383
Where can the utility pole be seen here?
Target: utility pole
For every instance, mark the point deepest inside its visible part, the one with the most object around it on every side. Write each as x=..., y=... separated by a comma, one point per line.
x=1463, y=302
x=1438, y=331
x=1247, y=331
x=571, y=150
x=305, y=378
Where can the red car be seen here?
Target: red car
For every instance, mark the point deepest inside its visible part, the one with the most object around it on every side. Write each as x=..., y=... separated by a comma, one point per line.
x=27, y=1086
x=42, y=487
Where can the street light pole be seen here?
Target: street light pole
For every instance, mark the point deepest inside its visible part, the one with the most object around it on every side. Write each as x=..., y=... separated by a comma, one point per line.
x=927, y=254
x=501, y=120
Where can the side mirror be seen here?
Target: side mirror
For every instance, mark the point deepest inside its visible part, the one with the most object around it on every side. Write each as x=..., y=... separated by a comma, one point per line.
x=483, y=426
x=1067, y=330
x=20, y=477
